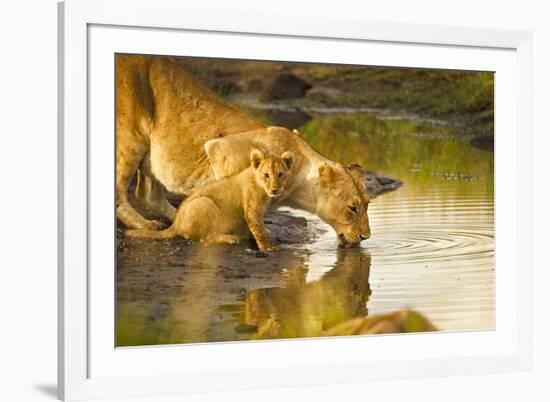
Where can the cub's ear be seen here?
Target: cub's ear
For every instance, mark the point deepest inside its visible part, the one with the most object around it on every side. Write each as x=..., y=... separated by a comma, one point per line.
x=326, y=175
x=256, y=157
x=288, y=159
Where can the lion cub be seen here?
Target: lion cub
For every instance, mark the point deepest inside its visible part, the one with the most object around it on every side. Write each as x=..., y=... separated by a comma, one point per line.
x=228, y=210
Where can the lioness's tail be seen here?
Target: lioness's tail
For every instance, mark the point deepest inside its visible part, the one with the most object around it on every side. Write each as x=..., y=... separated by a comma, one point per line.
x=152, y=234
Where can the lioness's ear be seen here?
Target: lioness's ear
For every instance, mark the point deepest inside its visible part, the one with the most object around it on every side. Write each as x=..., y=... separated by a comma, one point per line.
x=354, y=165
x=326, y=175
x=288, y=159
x=256, y=157
x=359, y=175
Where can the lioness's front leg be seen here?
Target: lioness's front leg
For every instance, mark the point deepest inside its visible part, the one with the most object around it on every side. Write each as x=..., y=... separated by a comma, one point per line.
x=130, y=152
x=254, y=217
x=151, y=193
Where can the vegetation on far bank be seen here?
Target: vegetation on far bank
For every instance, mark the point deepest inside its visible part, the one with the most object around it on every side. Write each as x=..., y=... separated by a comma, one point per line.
x=463, y=98
x=455, y=95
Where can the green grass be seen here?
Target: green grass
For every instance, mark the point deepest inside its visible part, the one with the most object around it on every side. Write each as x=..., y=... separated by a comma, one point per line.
x=461, y=97
x=458, y=95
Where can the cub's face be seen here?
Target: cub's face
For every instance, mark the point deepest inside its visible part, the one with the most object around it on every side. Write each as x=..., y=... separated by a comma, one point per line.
x=271, y=172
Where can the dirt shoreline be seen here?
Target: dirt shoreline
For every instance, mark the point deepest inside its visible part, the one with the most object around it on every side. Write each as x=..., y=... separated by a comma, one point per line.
x=284, y=227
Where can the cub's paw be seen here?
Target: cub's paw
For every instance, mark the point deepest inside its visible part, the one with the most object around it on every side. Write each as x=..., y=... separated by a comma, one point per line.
x=267, y=247
x=153, y=225
x=221, y=239
x=229, y=239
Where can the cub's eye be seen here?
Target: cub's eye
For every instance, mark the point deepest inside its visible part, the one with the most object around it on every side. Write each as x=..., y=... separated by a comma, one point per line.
x=353, y=209
x=266, y=175
x=281, y=174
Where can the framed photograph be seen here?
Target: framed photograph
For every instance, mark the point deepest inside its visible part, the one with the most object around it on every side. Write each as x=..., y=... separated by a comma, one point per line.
x=253, y=201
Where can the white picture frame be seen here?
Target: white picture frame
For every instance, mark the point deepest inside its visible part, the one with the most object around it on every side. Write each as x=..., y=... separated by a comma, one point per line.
x=88, y=369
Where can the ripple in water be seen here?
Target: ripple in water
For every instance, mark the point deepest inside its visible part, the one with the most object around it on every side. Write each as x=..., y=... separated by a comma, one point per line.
x=432, y=250
x=429, y=253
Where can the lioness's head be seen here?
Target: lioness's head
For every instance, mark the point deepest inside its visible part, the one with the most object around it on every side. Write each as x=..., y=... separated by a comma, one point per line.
x=343, y=202
x=271, y=171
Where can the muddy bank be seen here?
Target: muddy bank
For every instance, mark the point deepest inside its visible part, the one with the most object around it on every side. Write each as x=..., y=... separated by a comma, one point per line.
x=284, y=227
x=174, y=291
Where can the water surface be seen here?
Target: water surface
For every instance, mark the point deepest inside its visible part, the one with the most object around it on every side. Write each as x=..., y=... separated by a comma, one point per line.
x=432, y=250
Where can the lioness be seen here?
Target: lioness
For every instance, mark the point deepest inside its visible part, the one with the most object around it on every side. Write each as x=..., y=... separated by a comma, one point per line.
x=177, y=134
x=221, y=211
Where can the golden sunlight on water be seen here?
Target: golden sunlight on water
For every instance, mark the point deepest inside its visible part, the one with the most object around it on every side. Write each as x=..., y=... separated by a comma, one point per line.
x=431, y=250
x=432, y=247
x=434, y=252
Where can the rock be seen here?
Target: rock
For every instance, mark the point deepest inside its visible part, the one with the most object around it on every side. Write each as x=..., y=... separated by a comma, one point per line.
x=290, y=118
x=287, y=86
x=257, y=253
x=385, y=181
x=484, y=142
x=261, y=254
x=378, y=184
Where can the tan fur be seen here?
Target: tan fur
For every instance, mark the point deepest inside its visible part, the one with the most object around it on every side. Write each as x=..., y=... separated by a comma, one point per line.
x=177, y=134
x=227, y=210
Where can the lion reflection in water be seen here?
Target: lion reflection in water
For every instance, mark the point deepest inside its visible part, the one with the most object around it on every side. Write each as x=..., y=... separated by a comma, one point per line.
x=332, y=306
x=300, y=309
